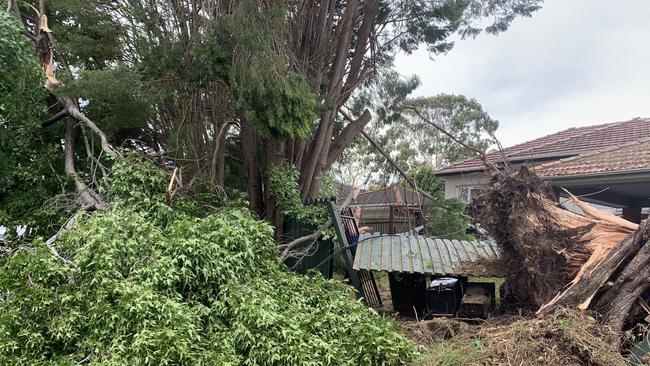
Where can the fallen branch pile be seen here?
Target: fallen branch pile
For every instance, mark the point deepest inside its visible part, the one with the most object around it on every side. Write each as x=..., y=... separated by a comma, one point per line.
x=555, y=258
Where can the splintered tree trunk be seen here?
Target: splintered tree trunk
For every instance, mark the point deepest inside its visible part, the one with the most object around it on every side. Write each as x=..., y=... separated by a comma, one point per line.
x=545, y=248
x=613, y=286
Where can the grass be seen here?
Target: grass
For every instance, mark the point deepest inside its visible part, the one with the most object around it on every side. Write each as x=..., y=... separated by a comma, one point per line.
x=452, y=353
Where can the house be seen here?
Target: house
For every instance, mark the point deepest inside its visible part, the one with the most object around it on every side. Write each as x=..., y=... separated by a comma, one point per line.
x=391, y=209
x=607, y=164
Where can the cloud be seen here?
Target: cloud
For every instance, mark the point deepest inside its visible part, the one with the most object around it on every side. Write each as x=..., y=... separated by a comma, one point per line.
x=574, y=63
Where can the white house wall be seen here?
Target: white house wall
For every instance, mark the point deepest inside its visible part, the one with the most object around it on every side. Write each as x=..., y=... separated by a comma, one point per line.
x=472, y=179
x=469, y=179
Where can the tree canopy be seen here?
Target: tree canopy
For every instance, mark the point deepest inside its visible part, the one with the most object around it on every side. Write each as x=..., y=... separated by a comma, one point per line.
x=239, y=87
x=411, y=139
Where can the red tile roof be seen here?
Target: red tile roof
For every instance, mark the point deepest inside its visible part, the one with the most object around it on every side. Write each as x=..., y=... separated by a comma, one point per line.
x=563, y=144
x=394, y=195
x=631, y=157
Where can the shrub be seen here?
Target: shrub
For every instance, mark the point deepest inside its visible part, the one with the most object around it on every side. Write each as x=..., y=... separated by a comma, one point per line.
x=184, y=290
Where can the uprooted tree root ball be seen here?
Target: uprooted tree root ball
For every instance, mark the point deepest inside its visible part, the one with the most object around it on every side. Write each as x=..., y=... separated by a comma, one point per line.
x=543, y=246
x=567, y=338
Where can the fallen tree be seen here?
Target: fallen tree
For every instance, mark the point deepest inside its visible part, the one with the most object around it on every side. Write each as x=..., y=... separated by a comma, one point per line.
x=616, y=287
x=556, y=258
x=543, y=245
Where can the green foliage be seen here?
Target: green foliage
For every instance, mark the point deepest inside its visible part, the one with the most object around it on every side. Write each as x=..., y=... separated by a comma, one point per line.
x=21, y=78
x=463, y=117
x=278, y=100
x=445, y=217
x=31, y=165
x=113, y=97
x=188, y=291
x=283, y=185
x=413, y=142
x=279, y=103
x=432, y=23
x=87, y=36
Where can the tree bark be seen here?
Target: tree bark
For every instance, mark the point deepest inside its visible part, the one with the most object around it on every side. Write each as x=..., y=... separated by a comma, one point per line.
x=316, y=155
x=596, y=276
x=617, y=302
x=249, y=145
x=346, y=137
x=88, y=198
x=613, y=286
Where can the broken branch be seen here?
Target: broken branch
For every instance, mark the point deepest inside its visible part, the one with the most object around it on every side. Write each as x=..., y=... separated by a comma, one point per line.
x=50, y=242
x=437, y=126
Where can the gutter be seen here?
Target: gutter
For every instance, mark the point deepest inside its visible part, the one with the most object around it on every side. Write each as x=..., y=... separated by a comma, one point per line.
x=630, y=176
x=518, y=159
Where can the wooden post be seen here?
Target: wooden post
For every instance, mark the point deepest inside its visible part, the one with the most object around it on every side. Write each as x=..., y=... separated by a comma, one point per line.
x=391, y=221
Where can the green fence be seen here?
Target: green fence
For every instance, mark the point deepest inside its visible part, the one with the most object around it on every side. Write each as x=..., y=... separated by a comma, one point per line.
x=319, y=255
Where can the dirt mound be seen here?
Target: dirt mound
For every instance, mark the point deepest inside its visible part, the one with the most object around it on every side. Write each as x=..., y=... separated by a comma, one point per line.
x=566, y=338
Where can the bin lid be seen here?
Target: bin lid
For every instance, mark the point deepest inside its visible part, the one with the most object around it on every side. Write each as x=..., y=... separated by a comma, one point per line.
x=443, y=282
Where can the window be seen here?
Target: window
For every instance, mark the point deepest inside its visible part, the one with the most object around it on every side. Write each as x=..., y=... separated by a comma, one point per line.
x=466, y=192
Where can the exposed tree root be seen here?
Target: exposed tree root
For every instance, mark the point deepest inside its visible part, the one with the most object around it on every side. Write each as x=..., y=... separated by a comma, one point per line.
x=543, y=246
x=557, y=259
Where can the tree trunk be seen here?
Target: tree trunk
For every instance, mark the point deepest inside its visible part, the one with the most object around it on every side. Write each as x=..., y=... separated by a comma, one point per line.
x=617, y=302
x=612, y=286
x=249, y=145
x=319, y=149
x=88, y=198
x=274, y=156
x=606, y=274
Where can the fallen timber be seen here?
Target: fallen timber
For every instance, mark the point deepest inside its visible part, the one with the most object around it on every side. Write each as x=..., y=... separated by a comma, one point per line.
x=555, y=258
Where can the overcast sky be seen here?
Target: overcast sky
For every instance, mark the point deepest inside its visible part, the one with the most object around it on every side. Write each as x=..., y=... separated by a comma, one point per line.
x=574, y=63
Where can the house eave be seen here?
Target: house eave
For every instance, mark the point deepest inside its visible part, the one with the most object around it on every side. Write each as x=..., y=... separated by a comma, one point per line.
x=512, y=160
x=628, y=176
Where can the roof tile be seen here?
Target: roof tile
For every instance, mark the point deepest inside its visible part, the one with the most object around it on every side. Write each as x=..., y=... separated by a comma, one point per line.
x=564, y=143
x=630, y=157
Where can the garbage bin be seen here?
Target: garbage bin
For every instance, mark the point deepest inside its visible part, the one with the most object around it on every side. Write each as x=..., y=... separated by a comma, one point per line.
x=443, y=296
x=408, y=292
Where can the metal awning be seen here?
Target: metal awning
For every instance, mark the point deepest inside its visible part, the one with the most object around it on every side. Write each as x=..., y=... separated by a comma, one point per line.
x=426, y=255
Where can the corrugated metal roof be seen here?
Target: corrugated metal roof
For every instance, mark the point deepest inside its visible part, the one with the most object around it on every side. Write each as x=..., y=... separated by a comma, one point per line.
x=419, y=254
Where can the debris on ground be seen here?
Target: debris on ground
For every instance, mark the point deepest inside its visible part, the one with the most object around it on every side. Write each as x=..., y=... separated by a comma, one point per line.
x=431, y=332
x=569, y=337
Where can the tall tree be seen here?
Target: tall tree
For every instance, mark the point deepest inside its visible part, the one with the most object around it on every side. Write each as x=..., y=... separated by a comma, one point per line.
x=414, y=143
x=185, y=80
x=342, y=50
